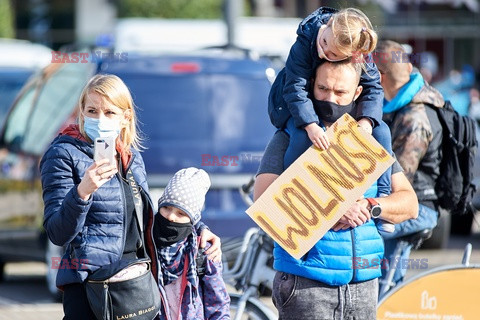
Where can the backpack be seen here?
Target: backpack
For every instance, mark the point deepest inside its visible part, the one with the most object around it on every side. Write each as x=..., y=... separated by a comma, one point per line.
x=454, y=186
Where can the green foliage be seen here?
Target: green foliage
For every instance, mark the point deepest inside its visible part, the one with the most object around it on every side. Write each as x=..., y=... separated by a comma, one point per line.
x=180, y=9
x=6, y=19
x=11, y=185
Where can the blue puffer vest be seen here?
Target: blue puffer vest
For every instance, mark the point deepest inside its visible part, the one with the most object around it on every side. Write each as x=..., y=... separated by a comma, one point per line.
x=94, y=230
x=334, y=258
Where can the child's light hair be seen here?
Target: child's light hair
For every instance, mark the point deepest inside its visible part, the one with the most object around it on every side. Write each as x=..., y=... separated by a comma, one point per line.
x=353, y=32
x=113, y=89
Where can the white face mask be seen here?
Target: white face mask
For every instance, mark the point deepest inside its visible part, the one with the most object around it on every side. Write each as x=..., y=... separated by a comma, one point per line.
x=321, y=53
x=96, y=128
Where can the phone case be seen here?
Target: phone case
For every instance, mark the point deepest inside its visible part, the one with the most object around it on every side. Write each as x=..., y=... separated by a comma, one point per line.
x=105, y=148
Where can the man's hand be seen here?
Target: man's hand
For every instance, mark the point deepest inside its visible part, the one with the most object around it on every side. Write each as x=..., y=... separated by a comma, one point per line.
x=341, y=224
x=318, y=136
x=355, y=216
x=214, y=253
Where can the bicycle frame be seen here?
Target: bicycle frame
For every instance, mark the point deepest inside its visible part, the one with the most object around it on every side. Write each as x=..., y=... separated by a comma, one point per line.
x=252, y=268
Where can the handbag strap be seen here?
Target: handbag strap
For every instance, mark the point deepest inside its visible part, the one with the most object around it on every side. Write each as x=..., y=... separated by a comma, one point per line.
x=137, y=200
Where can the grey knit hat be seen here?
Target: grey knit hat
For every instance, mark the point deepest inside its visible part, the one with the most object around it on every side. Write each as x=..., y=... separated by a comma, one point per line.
x=186, y=191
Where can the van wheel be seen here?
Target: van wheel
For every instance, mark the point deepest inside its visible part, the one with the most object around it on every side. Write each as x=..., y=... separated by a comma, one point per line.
x=441, y=233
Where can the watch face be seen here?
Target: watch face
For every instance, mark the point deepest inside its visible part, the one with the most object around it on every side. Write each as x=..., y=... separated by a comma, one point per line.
x=376, y=211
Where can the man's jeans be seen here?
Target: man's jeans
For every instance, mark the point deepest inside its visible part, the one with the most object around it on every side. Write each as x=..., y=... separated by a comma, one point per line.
x=300, y=298
x=427, y=219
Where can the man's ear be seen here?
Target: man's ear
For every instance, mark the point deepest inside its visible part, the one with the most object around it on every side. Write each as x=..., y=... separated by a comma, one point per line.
x=358, y=92
x=410, y=68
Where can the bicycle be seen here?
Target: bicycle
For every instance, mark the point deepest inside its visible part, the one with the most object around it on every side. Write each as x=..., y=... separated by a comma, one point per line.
x=251, y=272
x=415, y=240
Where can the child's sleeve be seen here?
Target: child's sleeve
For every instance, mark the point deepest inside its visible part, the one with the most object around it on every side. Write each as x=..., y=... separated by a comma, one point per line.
x=370, y=101
x=216, y=301
x=200, y=226
x=298, y=72
x=382, y=134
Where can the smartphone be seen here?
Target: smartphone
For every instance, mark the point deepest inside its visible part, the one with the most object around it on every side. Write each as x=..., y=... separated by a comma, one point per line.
x=105, y=148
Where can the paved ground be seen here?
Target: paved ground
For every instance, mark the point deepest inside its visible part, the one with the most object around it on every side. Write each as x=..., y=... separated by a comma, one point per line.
x=24, y=295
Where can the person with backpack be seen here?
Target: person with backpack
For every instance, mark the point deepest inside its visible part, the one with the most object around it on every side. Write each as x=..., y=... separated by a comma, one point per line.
x=409, y=110
x=193, y=284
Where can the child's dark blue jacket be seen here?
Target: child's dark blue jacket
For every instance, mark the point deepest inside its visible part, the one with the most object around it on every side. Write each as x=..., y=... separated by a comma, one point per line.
x=289, y=94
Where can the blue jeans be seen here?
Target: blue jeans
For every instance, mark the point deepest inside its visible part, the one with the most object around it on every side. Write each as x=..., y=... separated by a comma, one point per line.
x=427, y=219
x=299, y=143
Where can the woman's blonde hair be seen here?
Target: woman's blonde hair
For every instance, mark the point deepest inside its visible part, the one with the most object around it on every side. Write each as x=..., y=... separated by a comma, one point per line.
x=113, y=89
x=353, y=32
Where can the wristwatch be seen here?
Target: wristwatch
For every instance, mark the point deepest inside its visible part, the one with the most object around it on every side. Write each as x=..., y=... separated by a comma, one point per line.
x=375, y=208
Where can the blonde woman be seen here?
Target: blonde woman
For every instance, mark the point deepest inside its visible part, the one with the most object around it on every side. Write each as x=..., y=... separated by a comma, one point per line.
x=89, y=205
x=326, y=34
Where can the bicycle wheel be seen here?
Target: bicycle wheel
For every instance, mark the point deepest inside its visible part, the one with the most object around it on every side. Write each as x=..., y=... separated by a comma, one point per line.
x=252, y=311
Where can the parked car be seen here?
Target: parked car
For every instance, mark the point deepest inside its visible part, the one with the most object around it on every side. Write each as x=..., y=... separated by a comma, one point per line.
x=204, y=110
x=19, y=59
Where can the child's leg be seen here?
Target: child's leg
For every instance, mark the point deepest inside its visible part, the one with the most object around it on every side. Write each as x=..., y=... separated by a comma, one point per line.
x=383, y=135
x=299, y=143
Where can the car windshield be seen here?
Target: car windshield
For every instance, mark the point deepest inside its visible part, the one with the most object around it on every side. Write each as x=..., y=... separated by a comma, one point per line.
x=36, y=117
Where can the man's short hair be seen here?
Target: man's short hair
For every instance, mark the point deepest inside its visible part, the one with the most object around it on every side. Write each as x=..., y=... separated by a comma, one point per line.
x=397, y=71
x=349, y=61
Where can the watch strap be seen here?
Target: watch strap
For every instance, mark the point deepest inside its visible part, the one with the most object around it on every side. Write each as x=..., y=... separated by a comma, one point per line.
x=372, y=202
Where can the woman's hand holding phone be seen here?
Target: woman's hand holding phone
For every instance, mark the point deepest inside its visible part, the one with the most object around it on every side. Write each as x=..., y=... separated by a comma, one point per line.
x=102, y=170
x=95, y=176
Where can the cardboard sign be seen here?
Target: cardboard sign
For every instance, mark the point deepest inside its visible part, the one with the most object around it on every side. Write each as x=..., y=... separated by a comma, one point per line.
x=308, y=199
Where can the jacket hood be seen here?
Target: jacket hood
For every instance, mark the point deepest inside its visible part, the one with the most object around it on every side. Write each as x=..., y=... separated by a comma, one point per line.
x=406, y=93
x=77, y=141
x=429, y=95
x=73, y=131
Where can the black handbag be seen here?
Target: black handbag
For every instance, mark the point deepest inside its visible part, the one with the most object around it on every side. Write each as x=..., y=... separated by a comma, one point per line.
x=125, y=289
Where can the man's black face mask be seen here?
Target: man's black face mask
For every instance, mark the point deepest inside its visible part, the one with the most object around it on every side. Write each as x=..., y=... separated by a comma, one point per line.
x=331, y=112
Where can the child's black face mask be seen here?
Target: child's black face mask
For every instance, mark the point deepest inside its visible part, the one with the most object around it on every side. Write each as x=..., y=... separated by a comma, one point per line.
x=171, y=232
x=331, y=112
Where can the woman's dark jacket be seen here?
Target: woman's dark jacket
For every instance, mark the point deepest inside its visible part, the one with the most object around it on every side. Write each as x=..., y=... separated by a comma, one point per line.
x=94, y=230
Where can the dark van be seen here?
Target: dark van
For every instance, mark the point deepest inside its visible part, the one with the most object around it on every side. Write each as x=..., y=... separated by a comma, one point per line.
x=205, y=110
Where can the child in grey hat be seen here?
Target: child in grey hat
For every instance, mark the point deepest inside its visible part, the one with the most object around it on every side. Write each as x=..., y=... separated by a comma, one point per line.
x=190, y=295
